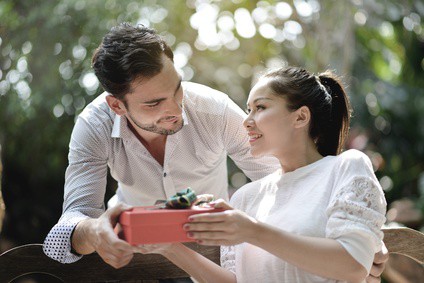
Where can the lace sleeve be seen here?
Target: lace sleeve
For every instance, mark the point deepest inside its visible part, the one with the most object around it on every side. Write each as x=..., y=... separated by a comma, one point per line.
x=228, y=258
x=356, y=214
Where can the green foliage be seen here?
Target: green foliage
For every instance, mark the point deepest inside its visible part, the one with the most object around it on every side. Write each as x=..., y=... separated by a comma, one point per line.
x=46, y=78
x=390, y=79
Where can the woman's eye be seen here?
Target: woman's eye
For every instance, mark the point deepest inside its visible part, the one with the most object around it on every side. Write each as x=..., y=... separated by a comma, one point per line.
x=260, y=107
x=247, y=110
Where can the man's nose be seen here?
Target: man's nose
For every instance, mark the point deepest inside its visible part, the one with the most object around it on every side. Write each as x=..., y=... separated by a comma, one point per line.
x=174, y=107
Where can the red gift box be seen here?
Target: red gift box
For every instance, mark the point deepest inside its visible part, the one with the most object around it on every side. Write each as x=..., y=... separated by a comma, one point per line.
x=150, y=225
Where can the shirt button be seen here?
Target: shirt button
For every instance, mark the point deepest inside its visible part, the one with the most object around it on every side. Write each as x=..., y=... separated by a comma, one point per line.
x=164, y=174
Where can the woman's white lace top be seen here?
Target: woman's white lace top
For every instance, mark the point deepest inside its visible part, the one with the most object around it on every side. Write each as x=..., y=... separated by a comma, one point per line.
x=337, y=197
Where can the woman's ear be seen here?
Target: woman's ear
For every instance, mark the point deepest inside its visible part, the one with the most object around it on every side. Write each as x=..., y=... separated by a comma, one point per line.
x=303, y=116
x=116, y=105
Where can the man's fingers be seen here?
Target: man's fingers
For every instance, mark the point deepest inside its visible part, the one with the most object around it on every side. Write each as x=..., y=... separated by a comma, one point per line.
x=123, y=246
x=377, y=270
x=372, y=279
x=382, y=256
x=117, y=261
x=116, y=255
x=379, y=263
x=115, y=211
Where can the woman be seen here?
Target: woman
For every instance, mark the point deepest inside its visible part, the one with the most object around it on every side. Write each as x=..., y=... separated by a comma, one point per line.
x=318, y=219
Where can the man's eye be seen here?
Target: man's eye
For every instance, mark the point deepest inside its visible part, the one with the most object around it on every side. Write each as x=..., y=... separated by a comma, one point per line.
x=151, y=105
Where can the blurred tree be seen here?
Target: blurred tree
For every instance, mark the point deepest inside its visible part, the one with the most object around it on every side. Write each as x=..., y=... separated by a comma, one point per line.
x=389, y=73
x=2, y=207
x=46, y=79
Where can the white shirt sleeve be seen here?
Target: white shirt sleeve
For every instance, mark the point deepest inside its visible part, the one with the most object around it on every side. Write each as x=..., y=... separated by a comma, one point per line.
x=237, y=144
x=85, y=185
x=356, y=212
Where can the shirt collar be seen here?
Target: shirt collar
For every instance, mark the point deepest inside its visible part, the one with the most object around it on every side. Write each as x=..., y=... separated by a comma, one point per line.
x=119, y=125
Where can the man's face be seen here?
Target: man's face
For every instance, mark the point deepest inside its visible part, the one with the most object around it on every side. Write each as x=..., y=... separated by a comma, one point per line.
x=155, y=104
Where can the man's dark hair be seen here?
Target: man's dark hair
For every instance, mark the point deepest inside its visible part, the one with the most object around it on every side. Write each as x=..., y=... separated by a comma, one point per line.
x=127, y=53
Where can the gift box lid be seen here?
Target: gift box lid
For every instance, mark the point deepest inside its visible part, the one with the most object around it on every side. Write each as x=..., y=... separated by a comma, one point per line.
x=150, y=215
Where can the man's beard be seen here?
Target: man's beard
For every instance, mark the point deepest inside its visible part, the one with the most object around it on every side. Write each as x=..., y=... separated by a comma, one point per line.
x=155, y=129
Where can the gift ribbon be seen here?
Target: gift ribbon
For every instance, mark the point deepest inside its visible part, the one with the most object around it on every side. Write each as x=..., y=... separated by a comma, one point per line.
x=183, y=199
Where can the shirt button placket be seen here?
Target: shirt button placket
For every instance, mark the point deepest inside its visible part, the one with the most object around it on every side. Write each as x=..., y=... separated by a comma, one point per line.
x=168, y=184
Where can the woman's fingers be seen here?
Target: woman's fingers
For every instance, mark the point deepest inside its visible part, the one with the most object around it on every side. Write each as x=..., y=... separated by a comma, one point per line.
x=205, y=198
x=210, y=217
x=205, y=226
x=220, y=203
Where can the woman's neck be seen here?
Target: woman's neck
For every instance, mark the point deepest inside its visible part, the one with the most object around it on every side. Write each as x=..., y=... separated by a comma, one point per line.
x=302, y=155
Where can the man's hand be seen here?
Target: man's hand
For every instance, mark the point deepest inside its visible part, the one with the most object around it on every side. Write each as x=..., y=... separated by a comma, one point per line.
x=98, y=235
x=377, y=268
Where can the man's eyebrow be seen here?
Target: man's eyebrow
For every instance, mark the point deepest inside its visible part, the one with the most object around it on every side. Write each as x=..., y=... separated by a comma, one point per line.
x=161, y=99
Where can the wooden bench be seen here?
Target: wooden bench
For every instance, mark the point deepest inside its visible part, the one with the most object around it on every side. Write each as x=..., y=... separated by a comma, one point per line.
x=30, y=259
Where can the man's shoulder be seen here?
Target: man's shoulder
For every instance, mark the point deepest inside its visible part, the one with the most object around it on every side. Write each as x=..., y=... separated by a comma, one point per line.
x=98, y=110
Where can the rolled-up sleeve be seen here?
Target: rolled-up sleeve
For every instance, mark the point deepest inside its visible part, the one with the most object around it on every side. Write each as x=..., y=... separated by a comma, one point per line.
x=85, y=185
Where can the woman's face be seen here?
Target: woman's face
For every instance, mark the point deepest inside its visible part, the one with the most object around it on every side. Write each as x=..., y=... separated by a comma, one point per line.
x=270, y=125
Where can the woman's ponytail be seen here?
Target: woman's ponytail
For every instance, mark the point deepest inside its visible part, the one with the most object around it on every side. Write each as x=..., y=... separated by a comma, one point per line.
x=326, y=99
x=333, y=137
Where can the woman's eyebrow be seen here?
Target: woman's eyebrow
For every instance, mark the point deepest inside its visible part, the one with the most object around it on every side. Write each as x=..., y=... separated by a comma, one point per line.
x=258, y=99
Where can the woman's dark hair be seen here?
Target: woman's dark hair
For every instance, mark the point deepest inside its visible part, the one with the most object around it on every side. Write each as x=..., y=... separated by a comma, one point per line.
x=126, y=53
x=326, y=99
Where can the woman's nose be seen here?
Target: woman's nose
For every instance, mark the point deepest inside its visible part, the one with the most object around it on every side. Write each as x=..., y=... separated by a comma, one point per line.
x=248, y=122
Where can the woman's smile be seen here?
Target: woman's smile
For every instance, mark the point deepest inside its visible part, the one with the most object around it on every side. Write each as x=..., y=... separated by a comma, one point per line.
x=254, y=137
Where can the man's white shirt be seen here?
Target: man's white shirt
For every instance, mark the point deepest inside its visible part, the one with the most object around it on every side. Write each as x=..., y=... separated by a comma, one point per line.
x=195, y=156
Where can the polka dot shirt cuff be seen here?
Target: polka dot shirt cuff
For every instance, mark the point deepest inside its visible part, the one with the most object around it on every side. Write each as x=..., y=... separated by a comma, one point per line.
x=57, y=244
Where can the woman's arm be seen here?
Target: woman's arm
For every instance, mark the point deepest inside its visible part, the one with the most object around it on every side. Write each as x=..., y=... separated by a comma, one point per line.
x=199, y=267
x=321, y=256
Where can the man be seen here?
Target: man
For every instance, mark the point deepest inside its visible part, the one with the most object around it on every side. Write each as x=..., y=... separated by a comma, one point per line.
x=156, y=134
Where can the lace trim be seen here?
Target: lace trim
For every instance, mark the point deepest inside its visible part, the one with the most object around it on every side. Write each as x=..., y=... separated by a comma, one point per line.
x=228, y=258
x=359, y=206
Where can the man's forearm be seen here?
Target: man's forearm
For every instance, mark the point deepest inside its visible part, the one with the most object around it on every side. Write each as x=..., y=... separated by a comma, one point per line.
x=81, y=237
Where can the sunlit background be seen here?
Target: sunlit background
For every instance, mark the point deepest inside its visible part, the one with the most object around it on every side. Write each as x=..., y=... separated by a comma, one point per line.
x=46, y=80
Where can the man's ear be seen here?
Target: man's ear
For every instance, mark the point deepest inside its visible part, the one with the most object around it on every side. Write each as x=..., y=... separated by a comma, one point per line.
x=116, y=105
x=303, y=117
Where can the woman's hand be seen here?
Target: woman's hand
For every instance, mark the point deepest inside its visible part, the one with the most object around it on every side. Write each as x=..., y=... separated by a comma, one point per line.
x=203, y=199
x=229, y=227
